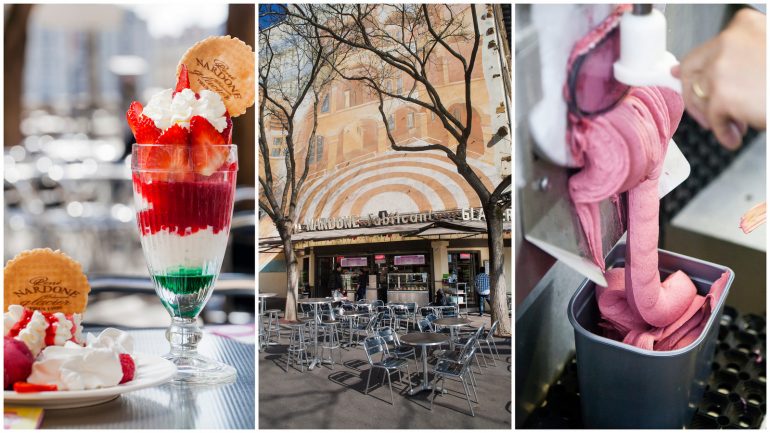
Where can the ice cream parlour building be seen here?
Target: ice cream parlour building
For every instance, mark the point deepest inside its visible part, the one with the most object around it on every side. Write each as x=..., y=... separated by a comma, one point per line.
x=400, y=257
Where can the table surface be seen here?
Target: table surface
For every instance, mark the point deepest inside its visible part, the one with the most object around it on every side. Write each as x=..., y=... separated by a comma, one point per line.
x=452, y=321
x=423, y=338
x=316, y=301
x=265, y=295
x=172, y=406
x=354, y=313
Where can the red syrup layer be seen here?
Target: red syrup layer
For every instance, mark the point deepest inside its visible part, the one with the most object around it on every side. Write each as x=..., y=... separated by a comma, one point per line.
x=185, y=207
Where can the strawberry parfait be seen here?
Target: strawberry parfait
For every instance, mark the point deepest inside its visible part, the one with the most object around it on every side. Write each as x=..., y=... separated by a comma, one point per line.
x=184, y=170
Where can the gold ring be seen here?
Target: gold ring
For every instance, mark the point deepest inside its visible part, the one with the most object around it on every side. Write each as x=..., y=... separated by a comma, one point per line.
x=698, y=90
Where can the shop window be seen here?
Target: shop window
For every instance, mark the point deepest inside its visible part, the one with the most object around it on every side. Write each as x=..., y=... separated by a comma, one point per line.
x=325, y=104
x=318, y=150
x=275, y=151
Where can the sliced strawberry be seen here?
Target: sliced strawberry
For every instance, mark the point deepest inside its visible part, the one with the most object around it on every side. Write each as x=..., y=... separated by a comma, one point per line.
x=183, y=81
x=128, y=366
x=32, y=387
x=206, y=157
x=174, y=135
x=227, y=133
x=144, y=129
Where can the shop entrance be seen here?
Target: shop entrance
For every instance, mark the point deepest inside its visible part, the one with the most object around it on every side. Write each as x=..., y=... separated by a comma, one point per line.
x=465, y=265
x=323, y=271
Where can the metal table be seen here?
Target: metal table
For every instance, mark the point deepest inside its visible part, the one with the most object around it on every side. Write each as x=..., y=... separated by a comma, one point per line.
x=452, y=323
x=262, y=300
x=315, y=302
x=172, y=406
x=351, y=316
x=424, y=340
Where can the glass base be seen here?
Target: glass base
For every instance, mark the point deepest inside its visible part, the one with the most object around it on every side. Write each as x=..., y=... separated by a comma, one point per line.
x=197, y=369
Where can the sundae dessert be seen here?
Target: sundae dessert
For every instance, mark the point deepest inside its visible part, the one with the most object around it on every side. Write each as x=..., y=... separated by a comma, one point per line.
x=45, y=295
x=184, y=168
x=622, y=150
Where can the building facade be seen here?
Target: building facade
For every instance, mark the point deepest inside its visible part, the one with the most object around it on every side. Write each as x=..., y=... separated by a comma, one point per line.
x=408, y=218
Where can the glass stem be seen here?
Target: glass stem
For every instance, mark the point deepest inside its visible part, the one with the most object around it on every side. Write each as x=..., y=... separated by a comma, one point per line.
x=184, y=335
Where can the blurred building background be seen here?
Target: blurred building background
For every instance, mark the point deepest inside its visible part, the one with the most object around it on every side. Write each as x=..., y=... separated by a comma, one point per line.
x=71, y=72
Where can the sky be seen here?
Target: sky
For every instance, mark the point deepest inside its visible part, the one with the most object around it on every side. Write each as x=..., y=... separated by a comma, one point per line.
x=265, y=19
x=171, y=19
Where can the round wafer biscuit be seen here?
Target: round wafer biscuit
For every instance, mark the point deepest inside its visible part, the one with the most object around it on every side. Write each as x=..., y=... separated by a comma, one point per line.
x=47, y=280
x=224, y=65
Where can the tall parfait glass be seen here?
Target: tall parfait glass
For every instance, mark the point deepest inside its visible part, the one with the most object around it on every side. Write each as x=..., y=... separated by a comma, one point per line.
x=184, y=221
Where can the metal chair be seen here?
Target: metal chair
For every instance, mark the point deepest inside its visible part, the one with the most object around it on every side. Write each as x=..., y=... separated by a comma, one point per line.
x=399, y=350
x=390, y=364
x=455, y=370
x=298, y=345
x=399, y=314
x=305, y=310
x=474, y=338
x=488, y=338
x=367, y=328
x=425, y=325
x=330, y=340
x=273, y=326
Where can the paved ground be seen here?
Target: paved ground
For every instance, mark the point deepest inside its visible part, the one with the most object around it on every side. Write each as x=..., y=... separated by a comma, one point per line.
x=333, y=398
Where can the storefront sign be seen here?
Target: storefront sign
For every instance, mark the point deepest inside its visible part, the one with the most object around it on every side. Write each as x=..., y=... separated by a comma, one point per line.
x=477, y=214
x=350, y=222
x=350, y=262
x=465, y=256
x=409, y=260
x=379, y=258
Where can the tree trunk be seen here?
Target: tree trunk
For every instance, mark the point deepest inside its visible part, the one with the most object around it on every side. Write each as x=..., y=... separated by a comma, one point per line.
x=16, y=19
x=292, y=280
x=498, y=286
x=240, y=24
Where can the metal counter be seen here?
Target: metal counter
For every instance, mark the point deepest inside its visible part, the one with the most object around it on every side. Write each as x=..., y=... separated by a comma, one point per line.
x=418, y=296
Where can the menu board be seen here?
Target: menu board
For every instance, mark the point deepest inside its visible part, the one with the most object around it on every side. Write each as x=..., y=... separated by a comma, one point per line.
x=409, y=260
x=351, y=262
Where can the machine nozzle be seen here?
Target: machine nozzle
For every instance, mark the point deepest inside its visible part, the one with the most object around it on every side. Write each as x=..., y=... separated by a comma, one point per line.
x=641, y=9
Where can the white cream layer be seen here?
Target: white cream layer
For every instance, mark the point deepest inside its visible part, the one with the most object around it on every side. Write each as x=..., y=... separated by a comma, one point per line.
x=167, y=252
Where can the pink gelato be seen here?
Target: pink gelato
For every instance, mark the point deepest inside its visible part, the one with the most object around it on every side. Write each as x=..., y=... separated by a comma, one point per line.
x=17, y=364
x=620, y=151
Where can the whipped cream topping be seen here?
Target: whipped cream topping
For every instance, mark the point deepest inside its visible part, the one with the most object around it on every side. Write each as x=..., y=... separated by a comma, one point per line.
x=11, y=317
x=73, y=367
x=58, y=330
x=33, y=335
x=166, y=108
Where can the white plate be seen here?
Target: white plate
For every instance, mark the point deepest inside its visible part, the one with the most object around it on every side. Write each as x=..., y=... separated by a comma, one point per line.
x=151, y=370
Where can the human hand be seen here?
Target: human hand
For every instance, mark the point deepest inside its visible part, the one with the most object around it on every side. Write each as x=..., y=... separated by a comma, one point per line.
x=723, y=80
